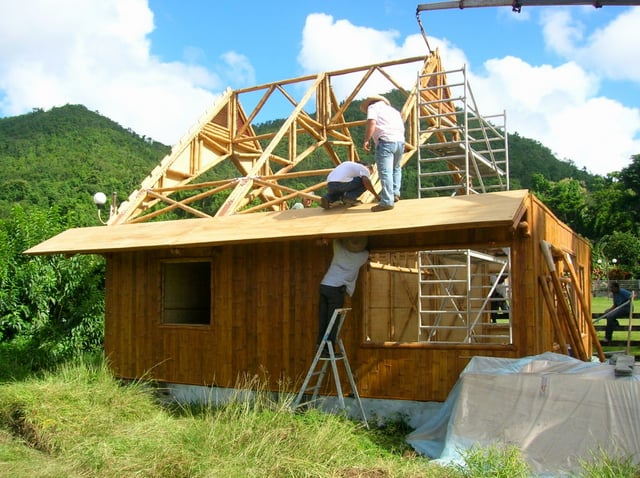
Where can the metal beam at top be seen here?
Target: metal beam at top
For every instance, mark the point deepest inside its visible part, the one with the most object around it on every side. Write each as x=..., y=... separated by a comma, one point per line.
x=517, y=4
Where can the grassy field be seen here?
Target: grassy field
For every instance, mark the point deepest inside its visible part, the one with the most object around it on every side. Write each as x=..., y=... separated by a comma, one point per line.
x=78, y=421
x=600, y=304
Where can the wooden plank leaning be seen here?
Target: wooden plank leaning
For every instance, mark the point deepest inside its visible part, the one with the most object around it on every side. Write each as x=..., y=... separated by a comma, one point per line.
x=557, y=326
x=583, y=303
x=565, y=312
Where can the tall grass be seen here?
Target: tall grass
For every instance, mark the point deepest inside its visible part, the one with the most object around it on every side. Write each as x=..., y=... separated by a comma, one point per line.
x=78, y=421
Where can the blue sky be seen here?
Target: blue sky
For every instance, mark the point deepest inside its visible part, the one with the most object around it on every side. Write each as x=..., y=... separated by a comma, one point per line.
x=568, y=77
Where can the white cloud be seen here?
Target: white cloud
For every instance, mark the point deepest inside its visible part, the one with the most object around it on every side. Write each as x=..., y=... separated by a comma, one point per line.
x=238, y=68
x=559, y=106
x=323, y=49
x=97, y=54
x=561, y=31
x=323, y=44
x=595, y=133
x=612, y=50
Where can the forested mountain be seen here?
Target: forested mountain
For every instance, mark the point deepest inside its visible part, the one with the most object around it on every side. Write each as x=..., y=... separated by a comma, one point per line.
x=528, y=157
x=64, y=155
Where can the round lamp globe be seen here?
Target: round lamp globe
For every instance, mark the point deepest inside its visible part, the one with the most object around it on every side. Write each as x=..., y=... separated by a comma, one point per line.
x=100, y=199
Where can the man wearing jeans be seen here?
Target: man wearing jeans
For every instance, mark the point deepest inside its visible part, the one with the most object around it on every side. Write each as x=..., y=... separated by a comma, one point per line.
x=349, y=255
x=386, y=127
x=621, y=308
x=346, y=183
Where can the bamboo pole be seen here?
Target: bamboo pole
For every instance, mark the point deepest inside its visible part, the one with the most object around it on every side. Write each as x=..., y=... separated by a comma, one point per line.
x=585, y=309
x=628, y=351
x=388, y=267
x=571, y=320
x=546, y=293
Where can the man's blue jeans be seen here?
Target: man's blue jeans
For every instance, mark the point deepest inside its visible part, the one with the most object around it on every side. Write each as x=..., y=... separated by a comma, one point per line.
x=351, y=190
x=612, y=321
x=388, y=159
x=331, y=298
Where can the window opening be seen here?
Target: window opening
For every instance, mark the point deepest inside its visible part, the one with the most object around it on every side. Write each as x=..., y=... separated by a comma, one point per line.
x=458, y=296
x=464, y=296
x=186, y=292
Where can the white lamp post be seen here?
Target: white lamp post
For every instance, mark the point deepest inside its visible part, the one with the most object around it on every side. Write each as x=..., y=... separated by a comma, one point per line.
x=100, y=199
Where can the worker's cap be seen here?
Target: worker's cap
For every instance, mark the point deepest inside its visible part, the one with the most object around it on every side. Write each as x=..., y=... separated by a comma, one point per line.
x=372, y=99
x=355, y=244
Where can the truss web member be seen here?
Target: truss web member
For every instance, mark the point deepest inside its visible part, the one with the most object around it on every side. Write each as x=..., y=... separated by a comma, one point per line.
x=386, y=128
x=347, y=182
x=349, y=255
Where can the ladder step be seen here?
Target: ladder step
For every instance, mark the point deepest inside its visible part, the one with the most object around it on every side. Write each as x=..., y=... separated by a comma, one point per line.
x=336, y=322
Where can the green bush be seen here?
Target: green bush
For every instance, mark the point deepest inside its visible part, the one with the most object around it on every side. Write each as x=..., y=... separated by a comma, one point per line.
x=50, y=304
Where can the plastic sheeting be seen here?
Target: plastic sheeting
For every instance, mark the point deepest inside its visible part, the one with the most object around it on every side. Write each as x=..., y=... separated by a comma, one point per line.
x=557, y=410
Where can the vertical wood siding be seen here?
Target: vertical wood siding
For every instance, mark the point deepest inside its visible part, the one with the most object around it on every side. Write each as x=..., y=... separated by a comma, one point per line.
x=264, y=317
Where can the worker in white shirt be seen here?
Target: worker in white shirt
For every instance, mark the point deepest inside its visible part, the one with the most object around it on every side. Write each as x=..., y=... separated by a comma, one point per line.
x=347, y=182
x=386, y=127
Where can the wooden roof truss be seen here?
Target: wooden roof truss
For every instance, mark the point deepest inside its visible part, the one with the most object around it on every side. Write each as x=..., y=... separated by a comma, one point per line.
x=259, y=170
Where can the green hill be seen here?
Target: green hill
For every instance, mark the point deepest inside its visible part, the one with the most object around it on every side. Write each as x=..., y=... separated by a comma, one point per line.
x=528, y=157
x=64, y=155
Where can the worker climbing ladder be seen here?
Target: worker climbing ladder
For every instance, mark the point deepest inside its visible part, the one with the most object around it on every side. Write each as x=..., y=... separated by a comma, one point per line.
x=325, y=355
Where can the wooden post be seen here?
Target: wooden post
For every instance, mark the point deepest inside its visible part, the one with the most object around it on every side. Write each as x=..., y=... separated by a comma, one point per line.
x=628, y=351
x=554, y=315
x=571, y=320
x=585, y=311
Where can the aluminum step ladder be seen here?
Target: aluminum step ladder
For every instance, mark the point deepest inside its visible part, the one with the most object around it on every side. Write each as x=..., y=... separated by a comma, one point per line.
x=318, y=370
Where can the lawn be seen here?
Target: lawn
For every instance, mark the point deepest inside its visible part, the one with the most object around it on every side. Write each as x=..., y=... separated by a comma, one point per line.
x=78, y=421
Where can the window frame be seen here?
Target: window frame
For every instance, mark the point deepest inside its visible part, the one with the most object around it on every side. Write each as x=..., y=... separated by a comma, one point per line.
x=190, y=284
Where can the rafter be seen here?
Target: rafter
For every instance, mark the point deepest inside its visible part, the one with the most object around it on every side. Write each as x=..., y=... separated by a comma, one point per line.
x=259, y=168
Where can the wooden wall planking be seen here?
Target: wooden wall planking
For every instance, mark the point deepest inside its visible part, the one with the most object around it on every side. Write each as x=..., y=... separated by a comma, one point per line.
x=264, y=306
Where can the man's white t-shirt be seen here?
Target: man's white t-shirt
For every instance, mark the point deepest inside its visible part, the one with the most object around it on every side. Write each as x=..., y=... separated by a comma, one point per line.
x=346, y=171
x=389, y=124
x=344, y=267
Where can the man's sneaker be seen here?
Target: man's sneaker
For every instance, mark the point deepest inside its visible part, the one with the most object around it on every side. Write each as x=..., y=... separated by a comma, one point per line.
x=396, y=198
x=380, y=207
x=351, y=202
x=324, y=202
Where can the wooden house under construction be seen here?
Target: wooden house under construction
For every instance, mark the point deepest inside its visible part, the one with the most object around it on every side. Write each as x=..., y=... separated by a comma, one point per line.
x=233, y=291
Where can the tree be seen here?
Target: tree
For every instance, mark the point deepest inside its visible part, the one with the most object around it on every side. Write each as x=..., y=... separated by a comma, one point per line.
x=54, y=303
x=630, y=178
x=624, y=247
x=567, y=198
x=606, y=209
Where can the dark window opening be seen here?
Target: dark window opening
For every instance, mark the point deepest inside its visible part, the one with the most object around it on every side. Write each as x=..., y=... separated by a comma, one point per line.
x=186, y=293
